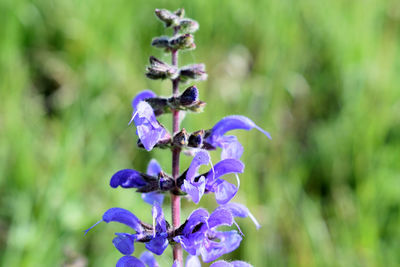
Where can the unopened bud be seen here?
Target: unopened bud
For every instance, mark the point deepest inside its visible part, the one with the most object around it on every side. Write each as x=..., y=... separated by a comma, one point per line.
x=196, y=139
x=190, y=96
x=166, y=182
x=166, y=16
x=160, y=70
x=188, y=26
x=185, y=41
x=180, y=12
x=161, y=42
x=180, y=138
x=195, y=72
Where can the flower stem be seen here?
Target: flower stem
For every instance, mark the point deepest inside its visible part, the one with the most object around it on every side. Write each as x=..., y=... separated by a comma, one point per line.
x=176, y=200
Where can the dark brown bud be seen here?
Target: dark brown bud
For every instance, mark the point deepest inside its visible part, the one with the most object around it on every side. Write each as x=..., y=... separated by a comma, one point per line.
x=180, y=139
x=196, y=139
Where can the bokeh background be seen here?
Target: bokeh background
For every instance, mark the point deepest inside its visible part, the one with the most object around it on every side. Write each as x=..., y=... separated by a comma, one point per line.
x=322, y=76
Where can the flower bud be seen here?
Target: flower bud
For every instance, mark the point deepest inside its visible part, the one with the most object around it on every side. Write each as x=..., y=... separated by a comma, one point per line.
x=166, y=16
x=188, y=26
x=180, y=139
x=161, y=42
x=180, y=12
x=196, y=139
x=195, y=72
x=185, y=41
x=166, y=182
x=160, y=70
x=190, y=96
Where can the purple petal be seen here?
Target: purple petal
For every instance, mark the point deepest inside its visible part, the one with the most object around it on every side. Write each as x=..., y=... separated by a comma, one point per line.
x=148, y=128
x=224, y=167
x=158, y=244
x=145, y=113
x=196, y=217
x=148, y=259
x=127, y=179
x=153, y=168
x=188, y=244
x=124, y=243
x=153, y=197
x=235, y=122
x=201, y=158
x=142, y=96
x=221, y=264
x=240, y=264
x=224, y=192
x=219, y=217
x=122, y=216
x=192, y=261
x=231, y=148
x=130, y=261
x=212, y=251
x=229, y=241
x=240, y=210
x=158, y=216
x=176, y=264
x=195, y=189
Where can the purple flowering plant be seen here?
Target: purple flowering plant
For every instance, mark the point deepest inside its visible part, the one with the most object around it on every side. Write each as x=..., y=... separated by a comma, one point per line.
x=199, y=234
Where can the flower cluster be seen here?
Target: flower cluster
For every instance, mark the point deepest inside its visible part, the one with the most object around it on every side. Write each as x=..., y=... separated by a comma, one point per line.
x=199, y=235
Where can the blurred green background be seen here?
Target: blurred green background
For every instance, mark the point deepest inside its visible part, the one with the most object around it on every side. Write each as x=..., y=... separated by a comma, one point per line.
x=322, y=76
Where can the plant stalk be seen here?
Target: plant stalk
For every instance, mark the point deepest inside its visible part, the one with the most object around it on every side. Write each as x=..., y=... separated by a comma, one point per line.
x=176, y=200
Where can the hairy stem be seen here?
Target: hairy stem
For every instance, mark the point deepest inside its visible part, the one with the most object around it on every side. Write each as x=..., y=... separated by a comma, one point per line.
x=176, y=200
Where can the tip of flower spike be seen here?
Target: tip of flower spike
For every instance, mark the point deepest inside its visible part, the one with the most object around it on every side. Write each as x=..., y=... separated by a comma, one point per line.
x=90, y=228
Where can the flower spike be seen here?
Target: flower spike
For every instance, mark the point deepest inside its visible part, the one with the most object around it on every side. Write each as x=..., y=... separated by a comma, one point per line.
x=200, y=234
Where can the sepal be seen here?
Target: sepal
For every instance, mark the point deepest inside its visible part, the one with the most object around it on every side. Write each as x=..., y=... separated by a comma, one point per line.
x=180, y=139
x=160, y=70
x=188, y=25
x=179, y=42
x=193, y=72
x=169, y=18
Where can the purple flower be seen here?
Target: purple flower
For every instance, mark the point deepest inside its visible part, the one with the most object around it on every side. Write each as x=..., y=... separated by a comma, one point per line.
x=200, y=236
x=150, y=184
x=128, y=178
x=196, y=188
x=146, y=259
x=231, y=148
x=196, y=185
x=141, y=96
x=155, y=237
x=191, y=261
x=130, y=261
x=148, y=129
